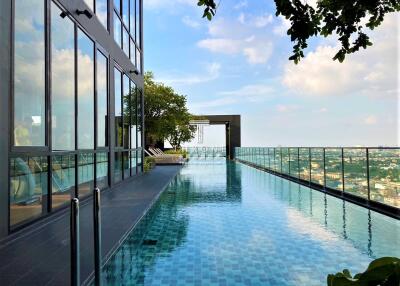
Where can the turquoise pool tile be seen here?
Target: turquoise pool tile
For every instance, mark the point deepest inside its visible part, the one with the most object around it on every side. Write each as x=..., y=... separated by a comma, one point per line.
x=224, y=223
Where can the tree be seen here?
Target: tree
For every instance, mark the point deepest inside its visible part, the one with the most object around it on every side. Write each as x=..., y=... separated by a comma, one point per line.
x=347, y=18
x=166, y=114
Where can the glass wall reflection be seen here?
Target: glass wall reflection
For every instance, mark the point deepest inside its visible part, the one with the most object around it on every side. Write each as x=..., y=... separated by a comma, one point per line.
x=28, y=188
x=63, y=82
x=29, y=74
x=118, y=107
x=85, y=174
x=62, y=179
x=126, y=97
x=85, y=84
x=118, y=167
x=102, y=100
x=126, y=164
x=102, y=170
x=117, y=30
x=102, y=12
x=133, y=113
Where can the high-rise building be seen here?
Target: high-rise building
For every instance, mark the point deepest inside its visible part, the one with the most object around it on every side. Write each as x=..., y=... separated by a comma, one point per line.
x=71, y=103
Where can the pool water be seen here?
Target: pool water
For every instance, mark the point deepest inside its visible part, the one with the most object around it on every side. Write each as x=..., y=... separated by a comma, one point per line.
x=224, y=223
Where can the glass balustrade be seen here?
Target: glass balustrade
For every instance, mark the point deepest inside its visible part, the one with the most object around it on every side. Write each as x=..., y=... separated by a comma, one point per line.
x=369, y=173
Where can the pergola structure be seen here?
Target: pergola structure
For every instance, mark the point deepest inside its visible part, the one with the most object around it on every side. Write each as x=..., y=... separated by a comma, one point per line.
x=232, y=129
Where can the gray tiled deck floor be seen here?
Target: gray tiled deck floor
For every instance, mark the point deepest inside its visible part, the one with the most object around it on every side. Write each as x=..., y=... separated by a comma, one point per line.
x=39, y=255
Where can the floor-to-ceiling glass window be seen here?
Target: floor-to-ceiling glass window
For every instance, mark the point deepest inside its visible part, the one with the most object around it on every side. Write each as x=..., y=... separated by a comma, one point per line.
x=102, y=120
x=66, y=111
x=29, y=74
x=126, y=123
x=140, y=126
x=117, y=30
x=85, y=84
x=90, y=3
x=28, y=192
x=118, y=107
x=133, y=126
x=102, y=12
x=62, y=81
x=102, y=100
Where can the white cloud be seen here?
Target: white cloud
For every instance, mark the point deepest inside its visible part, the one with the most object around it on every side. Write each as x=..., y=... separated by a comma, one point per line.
x=286, y=107
x=240, y=5
x=241, y=18
x=249, y=93
x=282, y=27
x=221, y=45
x=212, y=72
x=263, y=20
x=214, y=103
x=255, y=21
x=162, y=4
x=234, y=38
x=371, y=120
x=190, y=22
x=371, y=72
x=258, y=54
x=321, y=110
x=252, y=92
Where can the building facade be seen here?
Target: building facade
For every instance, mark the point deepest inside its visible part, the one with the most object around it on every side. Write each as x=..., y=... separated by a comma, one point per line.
x=71, y=103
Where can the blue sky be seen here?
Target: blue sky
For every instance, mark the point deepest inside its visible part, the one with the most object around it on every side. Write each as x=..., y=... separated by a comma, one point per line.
x=238, y=64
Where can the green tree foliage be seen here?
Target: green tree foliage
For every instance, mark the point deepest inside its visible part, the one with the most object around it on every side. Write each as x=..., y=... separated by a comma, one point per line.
x=348, y=19
x=166, y=114
x=383, y=271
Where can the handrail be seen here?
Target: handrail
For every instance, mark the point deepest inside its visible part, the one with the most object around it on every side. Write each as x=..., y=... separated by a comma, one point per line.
x=97, y=236
x=75, y=242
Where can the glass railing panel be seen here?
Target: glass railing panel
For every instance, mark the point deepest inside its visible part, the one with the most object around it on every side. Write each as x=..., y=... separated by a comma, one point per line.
x=85, y=174
x=62, y=179
x=294, y=162
x=333, y=168
x=266, y=158
x=285, y=160
x=102, y=170
x=384, y=174
x=278, y=162
x=260, y=157
x=118, y=167
x=271, y=163
x=304, y=163
x=355, y=172
x=133, y=158
x=126, y=165
x=317, y=166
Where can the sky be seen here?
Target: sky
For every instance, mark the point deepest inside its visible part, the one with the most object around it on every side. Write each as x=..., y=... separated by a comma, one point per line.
x=238, y=64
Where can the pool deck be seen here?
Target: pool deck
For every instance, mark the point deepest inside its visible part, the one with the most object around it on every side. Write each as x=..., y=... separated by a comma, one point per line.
x=40, y=254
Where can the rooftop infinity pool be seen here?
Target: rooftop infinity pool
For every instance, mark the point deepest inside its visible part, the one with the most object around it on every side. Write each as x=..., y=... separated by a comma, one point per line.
x=224, y=223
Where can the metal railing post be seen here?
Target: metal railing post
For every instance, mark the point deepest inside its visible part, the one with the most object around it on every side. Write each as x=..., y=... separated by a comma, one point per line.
x=74, y=241
x=324, y=168
x=343, y=170
x=368, y=182
x=97, y=236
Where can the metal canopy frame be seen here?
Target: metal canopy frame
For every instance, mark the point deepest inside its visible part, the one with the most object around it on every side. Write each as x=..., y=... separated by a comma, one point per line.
x=232, y=130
